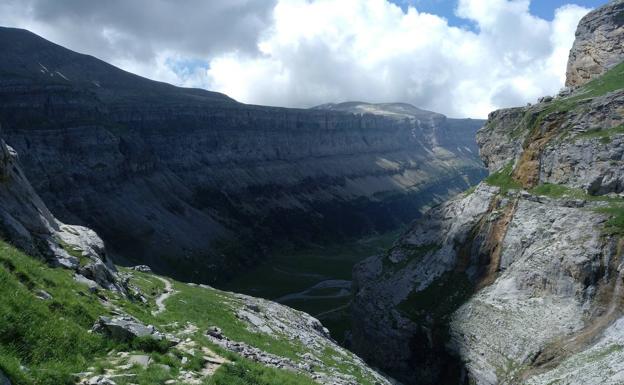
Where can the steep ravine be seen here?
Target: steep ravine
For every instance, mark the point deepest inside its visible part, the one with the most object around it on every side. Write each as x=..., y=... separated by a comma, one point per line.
x=518, y=281
x=194, y=183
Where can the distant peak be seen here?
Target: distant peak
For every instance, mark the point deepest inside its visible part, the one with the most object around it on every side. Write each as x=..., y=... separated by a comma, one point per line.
x=398, y=109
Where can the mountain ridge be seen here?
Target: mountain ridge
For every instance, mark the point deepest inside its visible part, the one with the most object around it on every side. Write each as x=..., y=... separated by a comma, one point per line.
x=217, y=176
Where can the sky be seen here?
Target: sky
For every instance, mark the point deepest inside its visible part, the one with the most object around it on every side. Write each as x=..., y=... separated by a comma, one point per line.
x=463, y=58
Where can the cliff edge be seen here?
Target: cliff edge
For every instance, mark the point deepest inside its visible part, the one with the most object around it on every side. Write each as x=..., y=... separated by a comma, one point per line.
x=518, y=281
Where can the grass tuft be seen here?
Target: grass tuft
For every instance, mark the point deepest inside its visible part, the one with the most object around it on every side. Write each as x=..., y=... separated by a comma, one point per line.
x=504, y=179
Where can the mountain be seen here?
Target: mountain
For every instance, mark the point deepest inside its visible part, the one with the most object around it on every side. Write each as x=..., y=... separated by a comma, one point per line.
x=68, y=315
x=27, y=223
x=518, y=281
x=196, y=184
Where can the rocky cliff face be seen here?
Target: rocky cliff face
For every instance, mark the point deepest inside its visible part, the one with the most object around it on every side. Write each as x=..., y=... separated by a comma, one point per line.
x=291, y=346
x=520, y=280
x=170, y=176
x=599, y=44
x=26, y=222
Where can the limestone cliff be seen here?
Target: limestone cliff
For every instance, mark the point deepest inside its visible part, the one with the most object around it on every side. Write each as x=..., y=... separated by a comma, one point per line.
x=169, y=176
x=520, y=280
x=26, y=222
x=599, y=44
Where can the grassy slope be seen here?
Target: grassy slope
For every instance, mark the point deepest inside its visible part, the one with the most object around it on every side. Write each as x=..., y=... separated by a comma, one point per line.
x=45, y=341
x=48, y=337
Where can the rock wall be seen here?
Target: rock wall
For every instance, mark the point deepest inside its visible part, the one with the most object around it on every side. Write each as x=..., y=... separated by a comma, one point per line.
x=191, y=182
x=520, y=280
x=503, y=284
x=599, y=44
x=26, y=222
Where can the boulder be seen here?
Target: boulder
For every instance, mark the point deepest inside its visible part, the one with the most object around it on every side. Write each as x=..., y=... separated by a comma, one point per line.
x=140, y=360
x=43, y=295
x=142, y=268
x=101, y=274
x=125, y=328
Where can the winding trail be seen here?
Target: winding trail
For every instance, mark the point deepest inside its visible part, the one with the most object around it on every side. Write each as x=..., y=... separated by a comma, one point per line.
x=343, y=288
x=160, y=300
x=331, y=311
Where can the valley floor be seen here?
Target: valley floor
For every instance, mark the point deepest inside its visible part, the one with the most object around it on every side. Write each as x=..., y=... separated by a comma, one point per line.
x=316, y=280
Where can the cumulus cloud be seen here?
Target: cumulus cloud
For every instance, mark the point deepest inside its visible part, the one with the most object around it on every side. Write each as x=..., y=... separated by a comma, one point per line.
x=145, y=35
x=372, y=50
x=300, y=53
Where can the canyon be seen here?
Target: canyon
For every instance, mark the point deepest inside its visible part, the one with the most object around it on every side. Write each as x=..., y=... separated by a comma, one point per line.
x=517, y=281
x=199, y=186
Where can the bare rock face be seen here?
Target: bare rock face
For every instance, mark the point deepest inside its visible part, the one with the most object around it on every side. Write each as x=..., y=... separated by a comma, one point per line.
x=599, y=44
x=579, y=147
x=26, y=222
x=505, y=285
x=519, y=281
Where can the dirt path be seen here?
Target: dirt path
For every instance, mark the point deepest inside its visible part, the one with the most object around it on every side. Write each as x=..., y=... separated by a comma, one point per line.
x=319, y=316
x=160, y=300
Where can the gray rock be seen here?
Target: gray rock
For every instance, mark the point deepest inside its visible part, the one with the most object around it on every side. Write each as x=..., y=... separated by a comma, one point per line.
x=92, y=285
x=278, y=321
x=571, y=157
x=215, y=332
x=125, y=328
x=142, y=268
x=599, y=44
x=101, y=274
x=100, y=380
x=140, y=360
x=44, y=295
x=27, y=223
x=509, y=288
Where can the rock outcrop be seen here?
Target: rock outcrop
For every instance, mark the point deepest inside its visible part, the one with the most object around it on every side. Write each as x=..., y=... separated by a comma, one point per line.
x=126, y=328
x=26, y=222
x=280, y=322
x=520, y=280
x=170, y=176
x=599, y=44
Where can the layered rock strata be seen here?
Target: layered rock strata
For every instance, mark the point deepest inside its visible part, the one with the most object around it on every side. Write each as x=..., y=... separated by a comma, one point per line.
x=192, y=182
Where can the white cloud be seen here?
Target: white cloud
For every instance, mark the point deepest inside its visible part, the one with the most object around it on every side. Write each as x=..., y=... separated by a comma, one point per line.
x=300, y=53
x=321, y=51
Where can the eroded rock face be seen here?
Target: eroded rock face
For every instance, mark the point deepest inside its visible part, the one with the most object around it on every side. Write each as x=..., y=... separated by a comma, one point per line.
x=519, y=281
x=26, y=222
x=484, y=285
x=197, y=168
x=406, y=336
x=565, y=146
x=599, y=44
